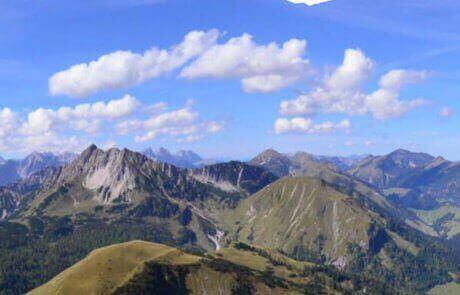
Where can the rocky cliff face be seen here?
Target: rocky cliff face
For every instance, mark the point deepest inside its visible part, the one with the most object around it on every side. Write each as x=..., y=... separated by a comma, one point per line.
x=111, y=174
x=235, y=176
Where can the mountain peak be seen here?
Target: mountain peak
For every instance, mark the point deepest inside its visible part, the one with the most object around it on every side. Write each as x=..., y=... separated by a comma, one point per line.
x=183, y=158
x=400, y=151
x=90, y=149
x=273, y=161
x=270, y=152
x=111, y=173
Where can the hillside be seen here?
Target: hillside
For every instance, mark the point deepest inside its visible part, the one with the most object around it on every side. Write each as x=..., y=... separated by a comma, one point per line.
x=309, y=220
x=142, y=267
x=284, y=213
x=107, y=268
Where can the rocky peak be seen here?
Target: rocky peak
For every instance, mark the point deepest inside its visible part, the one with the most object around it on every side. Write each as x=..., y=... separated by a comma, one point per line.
x=111, y=173
x=267, y=155
x=274, y=161
x=190, y=156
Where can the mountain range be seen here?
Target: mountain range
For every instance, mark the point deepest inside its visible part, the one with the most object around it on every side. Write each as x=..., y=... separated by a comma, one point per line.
x=13, y=170
x=361, y=222
x=182, y=159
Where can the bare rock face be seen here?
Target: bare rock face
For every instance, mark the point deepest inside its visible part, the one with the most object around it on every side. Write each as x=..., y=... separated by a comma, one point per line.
x=112, y=174
x=235, y=177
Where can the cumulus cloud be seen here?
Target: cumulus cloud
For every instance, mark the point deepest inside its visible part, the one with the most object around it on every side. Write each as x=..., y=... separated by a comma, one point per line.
x=446, y=112
x=71, y=128
x=309, y=2
x=85, y=117
x=8, y=121
x=125, y=68
x=261, y=68
x=183, y=124
x=306, y=125
x=342, y=91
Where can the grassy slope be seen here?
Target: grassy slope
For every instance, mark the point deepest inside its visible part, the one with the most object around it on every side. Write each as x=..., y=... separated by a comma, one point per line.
x=295, y=212
x=138, y=266
x=449, y=227
x=111, y=266
x=446, y=289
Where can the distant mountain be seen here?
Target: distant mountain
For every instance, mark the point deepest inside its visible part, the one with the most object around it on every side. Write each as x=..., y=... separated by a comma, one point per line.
x=182, y=159
x=314, y=215
x=13, y=170
x=286, y=164
x=416, y=180
x=386, y=171
x=274, y=162
x=341, y=162
x=431, y=185
x=421, y=183
x=303, y=164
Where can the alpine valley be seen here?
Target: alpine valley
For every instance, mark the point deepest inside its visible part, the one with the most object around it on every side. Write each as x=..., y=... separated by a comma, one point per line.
x=123, y=222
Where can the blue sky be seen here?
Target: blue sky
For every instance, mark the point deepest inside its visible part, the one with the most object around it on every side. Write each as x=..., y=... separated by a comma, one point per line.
x=222, y=92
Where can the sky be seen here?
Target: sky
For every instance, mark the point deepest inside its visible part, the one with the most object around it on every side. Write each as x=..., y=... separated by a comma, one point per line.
x=230, y=78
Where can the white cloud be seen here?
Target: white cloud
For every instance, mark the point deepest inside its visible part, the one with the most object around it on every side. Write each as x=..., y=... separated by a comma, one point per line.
x=355, y=69
x=84, y=117
x=182, y=124
x=306, y=125
x=261, y=68
x=72, y=128
x=8, y=121
x=396, y=79
x=342, y=93
x=446, y=112
x=125, y=68
x=309, y=2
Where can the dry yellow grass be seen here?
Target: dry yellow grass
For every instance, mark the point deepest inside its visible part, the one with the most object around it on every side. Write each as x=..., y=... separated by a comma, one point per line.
x=108, y=267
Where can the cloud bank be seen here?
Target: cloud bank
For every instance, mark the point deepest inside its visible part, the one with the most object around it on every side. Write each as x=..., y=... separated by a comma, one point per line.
x=342, y=92
x=260, y=67
x=124, y=68
x=71, y=128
